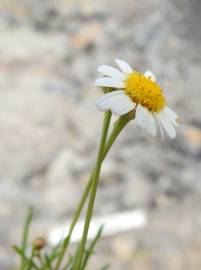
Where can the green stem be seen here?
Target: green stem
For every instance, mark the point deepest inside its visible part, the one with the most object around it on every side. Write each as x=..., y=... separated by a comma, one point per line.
x=117, y=129
x=122, y=121
x=108, y=116
x=93, y=195
x=90, y=250
x=118, y=126
x=74, y=221
x=25, y=235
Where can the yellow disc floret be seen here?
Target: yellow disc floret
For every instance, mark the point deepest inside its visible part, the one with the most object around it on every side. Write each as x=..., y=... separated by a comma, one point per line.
x=144, y=91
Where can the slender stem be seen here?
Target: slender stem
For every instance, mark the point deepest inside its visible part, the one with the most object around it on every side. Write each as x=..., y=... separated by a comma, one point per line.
x=66, y=241
x=120, y=124
x=117, y=129
x=90, y=250
x=75, y=218
x=25, y=235
x=93, y=194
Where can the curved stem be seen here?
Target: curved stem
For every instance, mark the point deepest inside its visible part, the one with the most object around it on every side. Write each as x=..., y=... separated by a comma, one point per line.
x=66, y=241
x=117, y=129
x=92, y=195
x=118, y=126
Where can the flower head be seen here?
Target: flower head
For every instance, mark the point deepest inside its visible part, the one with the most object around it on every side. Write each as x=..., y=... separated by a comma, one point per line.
x=139, y=92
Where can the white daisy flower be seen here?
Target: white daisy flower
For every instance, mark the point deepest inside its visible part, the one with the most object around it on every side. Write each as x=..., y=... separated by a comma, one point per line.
x=138, y=92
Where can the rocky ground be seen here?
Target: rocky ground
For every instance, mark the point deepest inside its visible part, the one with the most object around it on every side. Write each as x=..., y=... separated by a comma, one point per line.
x=49, y=52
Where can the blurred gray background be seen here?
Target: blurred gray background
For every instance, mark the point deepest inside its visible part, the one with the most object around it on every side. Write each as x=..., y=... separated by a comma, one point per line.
x=49, y=126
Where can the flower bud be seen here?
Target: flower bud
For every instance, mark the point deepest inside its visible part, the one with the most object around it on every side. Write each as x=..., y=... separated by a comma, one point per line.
x=39, y=243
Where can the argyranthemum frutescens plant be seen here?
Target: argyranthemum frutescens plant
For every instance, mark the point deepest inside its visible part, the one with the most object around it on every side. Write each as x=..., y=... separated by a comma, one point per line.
x=131, y=96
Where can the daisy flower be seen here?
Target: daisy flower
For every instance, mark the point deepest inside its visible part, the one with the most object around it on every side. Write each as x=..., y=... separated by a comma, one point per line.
x=138, y=92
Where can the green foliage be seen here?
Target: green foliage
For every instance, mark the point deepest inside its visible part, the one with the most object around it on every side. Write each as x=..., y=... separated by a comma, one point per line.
x=42, y=258
x=90, y=250
x=33, y=257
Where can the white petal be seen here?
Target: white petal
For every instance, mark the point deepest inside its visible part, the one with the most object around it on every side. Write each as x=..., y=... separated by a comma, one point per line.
x=117, y=101
x=150, y=75
x=160, y=126
x=151, y=125
x=172, y=116
x=122, y=105
x=141, y=116
x=111, y=72
x=103, y=103
x=109, y=82
x=145, y=120
x=124, y=66
x=167, y=125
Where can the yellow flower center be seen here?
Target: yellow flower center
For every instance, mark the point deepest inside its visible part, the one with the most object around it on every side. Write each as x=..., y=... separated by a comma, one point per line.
x=144, y=91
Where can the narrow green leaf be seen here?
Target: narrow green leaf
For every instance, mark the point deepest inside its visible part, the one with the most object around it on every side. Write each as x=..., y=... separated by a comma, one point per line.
x=25, y=236
x=30, y=264
x=90, y=250
x=48, y=262
x=55, y=253
x=26, y=260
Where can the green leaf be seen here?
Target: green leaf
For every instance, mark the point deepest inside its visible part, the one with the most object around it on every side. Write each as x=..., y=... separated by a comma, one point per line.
x=90, y=250
x=25, y=236
x=55, y=253
x=48, y=262
x=27, y=261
